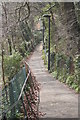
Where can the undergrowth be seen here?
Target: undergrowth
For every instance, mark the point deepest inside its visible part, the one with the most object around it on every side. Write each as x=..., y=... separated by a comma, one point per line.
x=65, y=68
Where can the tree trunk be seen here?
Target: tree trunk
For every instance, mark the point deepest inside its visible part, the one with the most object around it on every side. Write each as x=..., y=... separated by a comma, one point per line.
x=10, y=46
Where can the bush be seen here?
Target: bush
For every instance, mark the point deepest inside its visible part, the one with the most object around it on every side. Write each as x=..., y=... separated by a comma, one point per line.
x=66, y=69
x=12, y=65
x=70, y=80
x=54, y=74
x=23, y=49
x=77, y=67
x=44, y=57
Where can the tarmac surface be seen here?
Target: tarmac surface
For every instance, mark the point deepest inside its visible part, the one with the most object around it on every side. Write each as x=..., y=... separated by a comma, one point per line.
x=57, y=100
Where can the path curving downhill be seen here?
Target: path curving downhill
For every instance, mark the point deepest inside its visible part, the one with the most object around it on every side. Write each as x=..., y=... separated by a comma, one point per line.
x=56, y=99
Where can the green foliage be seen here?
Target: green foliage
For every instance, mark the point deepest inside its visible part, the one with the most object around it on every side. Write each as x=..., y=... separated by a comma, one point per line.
x=44, y=58
x=65, y=65
x=52, y=58
x=77, y=71
x=70, y=80
x=54, y=74
x=77, y=67
x=26, y=31
x=12, y=65
x=61, y=68
x=38, y=36
x=19, y=115
x=22, y=49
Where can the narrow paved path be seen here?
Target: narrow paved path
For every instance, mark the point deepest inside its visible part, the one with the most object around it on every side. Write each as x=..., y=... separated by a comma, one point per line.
x=56, y=99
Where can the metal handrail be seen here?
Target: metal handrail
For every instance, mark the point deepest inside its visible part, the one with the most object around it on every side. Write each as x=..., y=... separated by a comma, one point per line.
x=9, y=108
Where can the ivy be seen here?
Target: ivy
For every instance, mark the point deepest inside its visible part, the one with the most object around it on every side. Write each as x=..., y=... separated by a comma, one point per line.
x=61, y=68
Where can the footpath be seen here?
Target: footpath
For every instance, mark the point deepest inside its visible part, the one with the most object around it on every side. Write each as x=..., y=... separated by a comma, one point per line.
x=57, y=100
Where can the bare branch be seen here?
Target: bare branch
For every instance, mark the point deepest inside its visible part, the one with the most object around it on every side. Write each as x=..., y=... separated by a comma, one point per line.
x=50, y=8
x=21, y=9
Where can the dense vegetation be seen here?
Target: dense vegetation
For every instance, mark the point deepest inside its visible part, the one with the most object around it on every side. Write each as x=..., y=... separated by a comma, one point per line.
x=22, y=30
x=20, y=38
x=65, y=53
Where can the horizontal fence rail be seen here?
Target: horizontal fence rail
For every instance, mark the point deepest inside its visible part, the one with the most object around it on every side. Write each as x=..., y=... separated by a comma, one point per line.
x=21, y=91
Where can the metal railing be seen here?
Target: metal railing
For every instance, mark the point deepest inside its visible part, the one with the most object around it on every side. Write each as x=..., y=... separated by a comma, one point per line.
x=20, y=91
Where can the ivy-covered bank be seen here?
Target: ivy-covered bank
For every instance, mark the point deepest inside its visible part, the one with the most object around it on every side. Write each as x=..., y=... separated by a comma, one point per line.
x=64, y=68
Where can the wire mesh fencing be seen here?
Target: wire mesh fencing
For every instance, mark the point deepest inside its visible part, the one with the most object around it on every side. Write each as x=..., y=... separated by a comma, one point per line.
x=20, y=98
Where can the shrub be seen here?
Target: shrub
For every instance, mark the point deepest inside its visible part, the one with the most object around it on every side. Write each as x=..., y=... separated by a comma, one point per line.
x=44, y=57
x=12, y=65
x=23, y=49
x=66, y=69
x=77, y=67
x=70, y=80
